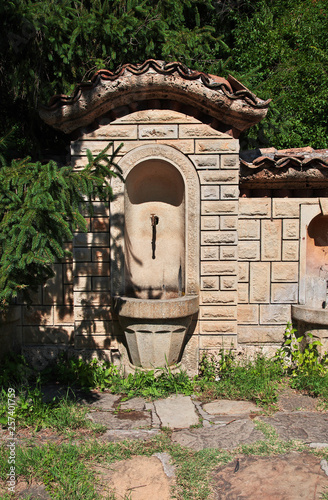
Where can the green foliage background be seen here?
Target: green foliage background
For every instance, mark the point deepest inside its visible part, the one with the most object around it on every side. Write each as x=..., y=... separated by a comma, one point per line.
x=278, y=48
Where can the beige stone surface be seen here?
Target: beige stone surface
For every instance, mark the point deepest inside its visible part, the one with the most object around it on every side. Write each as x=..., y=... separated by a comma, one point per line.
x=101, y=283
x=82, y=254
x=260, y=334
x=228, y=252
x=243, y=271
x=38, y=315
x=210, y=192
x=248, y=250
x=218, y=237
x=93, y=327
x=274, y=314
x=228, y=222
x=228, y=282
x=216, y=146
x=214, y=343
x=218, y=312
x=248, y=229
x=93, y=341
x=219, y=207
x=112, y=131
x=285, y=271
x=92, y=313
x=82, y=283
x=227, y=297
x=284, y=207
x=91, y=269
x=156, y=116
x=210, y=253
x=186, y=146
x=285, y=292
x=129, y=145
x=158, y=131
x=206, y=161
x=91, y=239
x=243, y=293
x=99, y=224
x=41, y=335
x=209, y=222
x=218, y=268
x=80, y=147
x=230, y=161
x=259, y=282
x=91, y=298
x=290, y=229
x=259, y=207
x=229, y=177
x=63, y=315
x=209, y=283
x=271, y=240
x=217, y=327
x=100, y=254
x=290, y=250
x=229, y=192
x=199, y=130
x=248, y=314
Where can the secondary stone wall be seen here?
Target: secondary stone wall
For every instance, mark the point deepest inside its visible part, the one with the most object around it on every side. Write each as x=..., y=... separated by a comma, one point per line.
x=268, y=280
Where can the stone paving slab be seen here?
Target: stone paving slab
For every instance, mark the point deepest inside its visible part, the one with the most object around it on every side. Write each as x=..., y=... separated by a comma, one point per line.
x=294, y=476
x=123, y=420
x=138, y=404
x=226, y=437
x=309, y=427
x=176, y=412
x=229, y=407
x=104, y=401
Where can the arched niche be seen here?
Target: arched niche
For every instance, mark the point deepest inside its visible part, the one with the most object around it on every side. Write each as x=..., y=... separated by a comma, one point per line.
x=317, y=247
x=162, y=181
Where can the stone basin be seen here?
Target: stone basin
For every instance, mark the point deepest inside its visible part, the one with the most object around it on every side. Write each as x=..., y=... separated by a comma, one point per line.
x=155, y=330
x=312, y=320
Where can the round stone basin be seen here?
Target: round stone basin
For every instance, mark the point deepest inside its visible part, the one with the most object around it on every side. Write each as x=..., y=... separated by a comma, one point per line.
x=314, y=321
x=155, y=330
x=180, y=307
x=310, y=315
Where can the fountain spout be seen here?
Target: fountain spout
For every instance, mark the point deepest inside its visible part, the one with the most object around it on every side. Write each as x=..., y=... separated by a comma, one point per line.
x=154, y=221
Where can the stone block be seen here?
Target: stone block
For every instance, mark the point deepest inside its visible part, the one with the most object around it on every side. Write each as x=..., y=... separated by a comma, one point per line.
x=207, y=146
x=99, y=224
x=63, y=315
x=156, y=116
x=209, y=297
x=209, y=222
x=68, y=295
x=218, y=312
x=260, y=334
x=82, y=283
x=100, y=283
x=93, y=327
x=209, y=177
x=82, y=254
x=209, y=283
x=248, y=229
x=243, y=271
x=243, y=293
x=228, y=282
x=53, y=289
x=38, y=315
x=67, y=270
x=158, y=131
x=259, y=282
x=79, y=162
x=111, y=132
x=248, y=314
x=48, y=335
x=286, y=207
x=248, y=250
x=100, y=208
x=274, y=314
x=228, y=222
x=210, y=192
x=100, y=254
x=94, y=313
x=214, y=343
x=229, y=192
x=230, y=161
x=219, y=207
x=290, y=250
x=91, y=269
x=217, y=327
x=198, y=130
x=254, y=207
x=207, y=162
x=218, y=237
x=91, y=239
x=285, y=271
x=228, y=253
x=129, y=145
x=186, y=146
x=218, y=268
x=290, y=229
x=79, y=148
x=271, y=240
x=284, y=293
x=92, y=342
x=91, y=298
x=210, y=253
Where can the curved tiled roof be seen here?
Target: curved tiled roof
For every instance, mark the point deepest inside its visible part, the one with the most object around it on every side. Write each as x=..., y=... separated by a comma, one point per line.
x=226, y=100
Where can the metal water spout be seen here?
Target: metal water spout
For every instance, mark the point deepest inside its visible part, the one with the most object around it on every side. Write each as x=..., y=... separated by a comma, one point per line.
x=154, y=221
